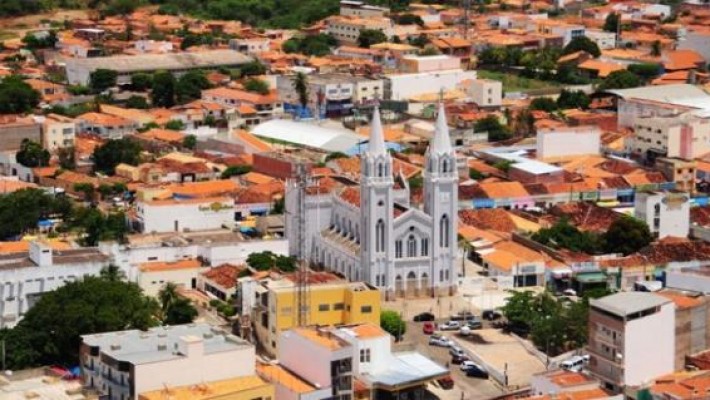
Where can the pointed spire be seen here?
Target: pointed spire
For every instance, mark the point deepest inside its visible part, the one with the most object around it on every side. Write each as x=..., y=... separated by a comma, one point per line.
x=377, y=134
x=441, y=142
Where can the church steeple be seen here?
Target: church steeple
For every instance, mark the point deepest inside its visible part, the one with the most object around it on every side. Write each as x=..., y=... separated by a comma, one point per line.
x=441, y=142
x=376, y=146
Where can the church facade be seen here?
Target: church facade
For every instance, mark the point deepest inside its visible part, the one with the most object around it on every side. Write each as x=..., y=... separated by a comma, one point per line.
x=368, y=230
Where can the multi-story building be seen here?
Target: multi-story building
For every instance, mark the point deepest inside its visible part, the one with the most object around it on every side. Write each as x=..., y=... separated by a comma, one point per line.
x=372, y=234
x=681, y=172
x=331, y=301
x=28, y=270
x=121, y=365
x=486, y=92
x=692, y=330
x=365, y=365
x=176, y=215
x=665, y=213
x=631, y=338
x=559, y=28
x=405, y=86
x=553, y=143
x=346, y=29
x=267, y=106
x=361, y=9
x=681, y=136
x=152, y=276
x=57, y=131
x=604, y=40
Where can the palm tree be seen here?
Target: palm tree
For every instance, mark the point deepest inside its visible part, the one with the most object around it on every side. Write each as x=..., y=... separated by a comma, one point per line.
x=300, y=85
x=112, y=273
x=168, y=296
x=656, y=48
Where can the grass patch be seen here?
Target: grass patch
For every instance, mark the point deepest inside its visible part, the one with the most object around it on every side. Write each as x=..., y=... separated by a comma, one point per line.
x=515, y=83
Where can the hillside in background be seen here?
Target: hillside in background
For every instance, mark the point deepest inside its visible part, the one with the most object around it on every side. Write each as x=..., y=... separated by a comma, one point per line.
x=262, y=13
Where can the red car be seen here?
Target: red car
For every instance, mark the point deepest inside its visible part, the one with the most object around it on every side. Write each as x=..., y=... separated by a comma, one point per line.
x=428, y=328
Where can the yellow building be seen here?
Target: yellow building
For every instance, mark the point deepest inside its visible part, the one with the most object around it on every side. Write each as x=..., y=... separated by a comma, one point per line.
x=243, y=388
x=331, y=301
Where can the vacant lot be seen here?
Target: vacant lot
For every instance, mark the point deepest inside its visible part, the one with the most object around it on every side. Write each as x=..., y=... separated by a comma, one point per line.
x=515, y=83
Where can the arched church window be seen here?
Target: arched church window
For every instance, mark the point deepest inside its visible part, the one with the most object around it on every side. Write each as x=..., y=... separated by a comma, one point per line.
x=411, y=246
x=380, y=236
x=444, y=231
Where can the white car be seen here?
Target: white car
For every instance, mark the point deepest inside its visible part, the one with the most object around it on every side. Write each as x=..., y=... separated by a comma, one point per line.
x=468, y=364
x=450, y=326
x=441, y=341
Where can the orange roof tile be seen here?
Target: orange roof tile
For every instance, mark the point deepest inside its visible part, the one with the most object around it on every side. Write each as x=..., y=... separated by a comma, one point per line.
x=159, y=266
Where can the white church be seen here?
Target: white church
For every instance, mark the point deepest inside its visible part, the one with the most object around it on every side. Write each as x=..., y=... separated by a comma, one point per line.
x=368, y=231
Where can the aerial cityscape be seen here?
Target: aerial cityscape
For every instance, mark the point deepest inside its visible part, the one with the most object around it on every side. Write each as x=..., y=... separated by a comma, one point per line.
x=354, y=199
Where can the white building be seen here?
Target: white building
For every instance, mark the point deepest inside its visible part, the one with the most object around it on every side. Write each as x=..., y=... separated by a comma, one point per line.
x=177, y=215
x=346, y=29
x=486, y=92
x=405, y=86
x=631, y=339
x=370, y=233
x=660, y=100
x=154, y=46
x=152, y=276
x=361, y=9
x=121, y=365
x=213, y=248
x=26, y=275
x=683, y=136
x=250, y=46
x=604, y=40
x=568, y=142
x=665, y=213
x=433, y=63
x=57, y=131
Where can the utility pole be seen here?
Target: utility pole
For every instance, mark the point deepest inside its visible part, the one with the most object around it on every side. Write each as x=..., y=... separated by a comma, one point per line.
x=466, y=17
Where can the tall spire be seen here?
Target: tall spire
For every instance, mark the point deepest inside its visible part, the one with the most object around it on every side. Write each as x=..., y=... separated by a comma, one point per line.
x=441, y=142
x=377, y=134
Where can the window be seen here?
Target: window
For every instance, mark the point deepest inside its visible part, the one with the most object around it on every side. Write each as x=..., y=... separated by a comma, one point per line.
x=444, y=231
x=425, y=247
x=338, y=306
x=364, y=355
x=445, y=166
x=366, y=309
x=324, y=307
x=398, y=249
x=411, y=246
x=380, y=236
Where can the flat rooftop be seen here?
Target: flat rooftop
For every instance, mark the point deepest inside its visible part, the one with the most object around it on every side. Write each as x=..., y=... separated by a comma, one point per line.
x=175, y=239
x=157, y=344
x=627, y=303
x=151, y=62
x=207, y=390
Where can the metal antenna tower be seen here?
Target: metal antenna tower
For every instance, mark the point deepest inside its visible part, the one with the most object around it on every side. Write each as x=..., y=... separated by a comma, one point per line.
x=300, y=177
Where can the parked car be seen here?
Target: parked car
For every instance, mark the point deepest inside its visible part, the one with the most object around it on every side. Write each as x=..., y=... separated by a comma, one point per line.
x=441, y=341
x=445, y=383
x=456, y=351
x=424, y=317
x=574, y=363
x=450, y=326
x=459, y=359
x=466, y=365
x=569, y=292
x=474, y=324
x=491, y=315
x=428, y=328
x=476, y=371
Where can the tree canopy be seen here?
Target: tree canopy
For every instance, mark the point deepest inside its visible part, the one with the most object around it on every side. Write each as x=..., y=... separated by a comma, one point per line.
x=266, y=260
x=16, y=96
x=496, y=130
x=627, y=235
x=573, y=99
x=174, y=308
x=21, y=210
x=32, y=154
x=312, y=45
x=163, y=89
x=116, y=151
x=102, y=79
x=368, y=37
x=621, y=79
x=190, y=86
x=543, y=104
x=582, y=43
x=611, y=23
x=393, y=323
x=256, y=86
x=49, y=333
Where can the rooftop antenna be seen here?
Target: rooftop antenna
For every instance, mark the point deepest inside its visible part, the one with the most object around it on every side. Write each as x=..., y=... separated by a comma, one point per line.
x=300, y=178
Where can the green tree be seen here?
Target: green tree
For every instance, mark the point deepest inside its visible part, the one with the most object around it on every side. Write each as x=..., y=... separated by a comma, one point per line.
x=31, y=154
x=40, y=40
x=392, y=323
x=622, y=79
x=116, y=151
x=49, y=333
x=368, y=37
x=279, y=206
x=189, y=142
x=102, y=79
x=138, y=102
x=311, y=45
x=95, y=226
x=175, y=309
x=335, y=155
x=496, y=130
x=253, y=68
x=235, y=170
x=163, y=89
x=86, y=188
x=627, y=235
x=646, y=71
x=190, y=86
x=67, y=157
x=475, y=174
x=78, y=90
x=21, y=210
x=256, y=86
x=563, y=234
x=267, y=260
x=611, y=23
x=543, y=104
x=300, y=85
x=573, y=99
x=16, y=96
x=582, y=43
x=409, y=19
x=141, y=82
x=175, y=125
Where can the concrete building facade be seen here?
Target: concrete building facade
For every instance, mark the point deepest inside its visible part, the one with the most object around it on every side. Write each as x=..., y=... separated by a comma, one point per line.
x=665, y=213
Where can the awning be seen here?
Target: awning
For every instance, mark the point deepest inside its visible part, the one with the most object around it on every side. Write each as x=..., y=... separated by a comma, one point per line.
x=560, y=273
x=591, y=277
